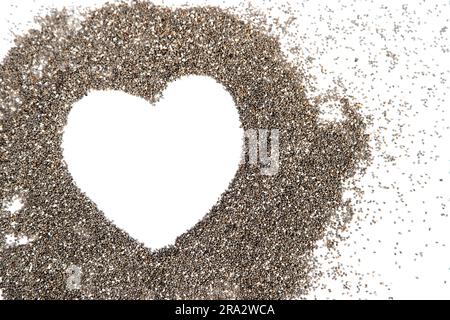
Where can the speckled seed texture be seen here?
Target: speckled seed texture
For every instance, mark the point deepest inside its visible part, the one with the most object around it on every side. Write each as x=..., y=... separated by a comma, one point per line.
x=257, y=240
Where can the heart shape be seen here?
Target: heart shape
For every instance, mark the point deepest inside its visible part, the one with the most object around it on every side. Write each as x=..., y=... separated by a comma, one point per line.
x=155, y=170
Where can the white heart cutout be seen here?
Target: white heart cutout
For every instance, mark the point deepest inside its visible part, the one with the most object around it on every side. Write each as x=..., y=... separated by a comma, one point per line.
x=155, y=170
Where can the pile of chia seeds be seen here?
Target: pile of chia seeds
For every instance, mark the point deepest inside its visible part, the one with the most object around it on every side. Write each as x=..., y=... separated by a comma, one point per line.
x=257, y=241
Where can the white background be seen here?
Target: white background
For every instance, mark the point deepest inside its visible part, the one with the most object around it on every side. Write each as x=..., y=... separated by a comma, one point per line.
x=398, y=245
